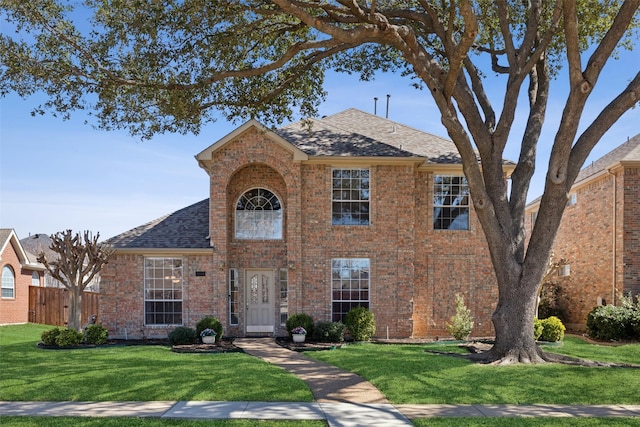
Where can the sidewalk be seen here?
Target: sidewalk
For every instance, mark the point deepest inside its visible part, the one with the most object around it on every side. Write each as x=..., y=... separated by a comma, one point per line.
x=337, y=414
x=342, y=398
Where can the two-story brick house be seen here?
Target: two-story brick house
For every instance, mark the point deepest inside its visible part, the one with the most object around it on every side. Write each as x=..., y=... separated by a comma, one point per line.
x=599, y=235
x=316, y=217
x=19, y=270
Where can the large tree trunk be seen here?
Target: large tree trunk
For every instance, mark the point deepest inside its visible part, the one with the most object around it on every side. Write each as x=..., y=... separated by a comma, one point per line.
x=75, y=309
x=513, y=322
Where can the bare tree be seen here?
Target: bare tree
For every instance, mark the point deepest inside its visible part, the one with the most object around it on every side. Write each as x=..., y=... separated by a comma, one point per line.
x=79, y=260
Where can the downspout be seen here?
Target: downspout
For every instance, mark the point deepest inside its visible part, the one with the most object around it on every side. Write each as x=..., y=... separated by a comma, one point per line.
x=615, y=232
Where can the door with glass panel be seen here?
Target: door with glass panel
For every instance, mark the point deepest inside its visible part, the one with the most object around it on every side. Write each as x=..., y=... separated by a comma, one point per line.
x=260, y=304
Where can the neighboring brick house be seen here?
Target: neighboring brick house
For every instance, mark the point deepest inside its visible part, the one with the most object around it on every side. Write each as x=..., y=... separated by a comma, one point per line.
x=316, y=217
x=19, y=271
x=599, y=235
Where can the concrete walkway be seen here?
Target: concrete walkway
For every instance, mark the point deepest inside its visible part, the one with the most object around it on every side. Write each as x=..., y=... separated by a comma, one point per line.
x=342, y=398
x=327, y=383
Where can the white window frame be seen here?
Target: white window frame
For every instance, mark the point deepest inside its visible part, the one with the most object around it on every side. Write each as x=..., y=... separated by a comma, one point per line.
x=356, y=192
x=35, y=279
x=163, y=283
x=343, y=282
x=255, y=222
x=234, y=297
x=461, y=201
x=283, y=281
x=8, y=282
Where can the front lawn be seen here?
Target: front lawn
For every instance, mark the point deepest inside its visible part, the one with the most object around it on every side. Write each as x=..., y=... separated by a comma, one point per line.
x=135, y=373
x=407, y=374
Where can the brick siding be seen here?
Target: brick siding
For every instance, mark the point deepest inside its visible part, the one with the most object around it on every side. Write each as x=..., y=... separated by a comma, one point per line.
x=415, y=271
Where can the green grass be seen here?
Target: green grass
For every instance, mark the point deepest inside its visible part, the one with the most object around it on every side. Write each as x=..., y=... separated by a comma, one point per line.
x=147, y=422
x=407, y=374
x=135, y=373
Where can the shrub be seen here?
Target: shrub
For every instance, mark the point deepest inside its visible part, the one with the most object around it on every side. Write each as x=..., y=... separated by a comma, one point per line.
x=183, y=335
x=461, y=323
x=329, y=332
x=552, y=329
x=49, y=337
x=360, y=323
x=612, y=323
x=538, y=327
x=300, y=319
x=69, y=338
x=95, y=334
x=210, y=322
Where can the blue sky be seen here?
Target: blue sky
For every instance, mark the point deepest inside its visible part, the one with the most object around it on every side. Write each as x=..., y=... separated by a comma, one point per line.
x=57, y=175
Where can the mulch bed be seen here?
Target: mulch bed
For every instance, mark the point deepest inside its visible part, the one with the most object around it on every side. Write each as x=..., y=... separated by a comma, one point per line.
x=307, y=345
x=224, y=346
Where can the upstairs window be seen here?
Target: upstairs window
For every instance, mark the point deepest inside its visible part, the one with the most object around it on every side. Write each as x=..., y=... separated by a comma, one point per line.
x=450, y=203
x=350, y=197
x=258, y=216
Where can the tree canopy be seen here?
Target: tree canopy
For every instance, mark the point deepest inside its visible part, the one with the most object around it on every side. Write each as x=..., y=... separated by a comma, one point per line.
x=153, y=66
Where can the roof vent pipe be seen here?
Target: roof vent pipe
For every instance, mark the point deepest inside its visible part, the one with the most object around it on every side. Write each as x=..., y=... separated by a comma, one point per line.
x=388, y=96
x=375, y=105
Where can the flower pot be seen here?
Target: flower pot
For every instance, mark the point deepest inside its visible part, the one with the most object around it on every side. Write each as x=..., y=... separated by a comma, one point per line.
x=298, y=337
x=209, y=339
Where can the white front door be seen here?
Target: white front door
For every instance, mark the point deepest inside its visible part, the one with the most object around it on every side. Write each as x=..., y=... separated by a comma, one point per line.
x=260, y=304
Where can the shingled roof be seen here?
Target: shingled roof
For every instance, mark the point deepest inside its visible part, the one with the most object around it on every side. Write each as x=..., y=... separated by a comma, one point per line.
x=355, y=133
x=351, y=133
x=186, y=228
x=629, y=151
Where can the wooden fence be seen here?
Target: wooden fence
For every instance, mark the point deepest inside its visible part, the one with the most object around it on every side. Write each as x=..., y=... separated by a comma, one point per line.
x=50, y=306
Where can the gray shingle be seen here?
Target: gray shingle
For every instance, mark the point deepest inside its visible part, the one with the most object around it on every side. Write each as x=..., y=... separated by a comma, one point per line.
x=356, y=133
x=630, y=150
x=186, y=228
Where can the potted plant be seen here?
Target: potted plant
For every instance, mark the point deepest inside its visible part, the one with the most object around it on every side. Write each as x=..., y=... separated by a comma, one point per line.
x=298, y=334
x=208, y=336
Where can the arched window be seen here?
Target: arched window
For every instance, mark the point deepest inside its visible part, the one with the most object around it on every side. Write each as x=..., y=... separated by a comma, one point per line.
x=8, y=282
x=258, y=215
x=35, y=279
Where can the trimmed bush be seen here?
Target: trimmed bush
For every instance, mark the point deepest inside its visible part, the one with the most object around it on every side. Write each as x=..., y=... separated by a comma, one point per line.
x=329, y=332
x=210, y=322
x=538, y=327
x=69, y=338
x=183, y=335
x=461, y=323
x=611, y=323
x=552, y=329
x=49, y=337
x=360, y=323
x=95, y=334
x=300, y=319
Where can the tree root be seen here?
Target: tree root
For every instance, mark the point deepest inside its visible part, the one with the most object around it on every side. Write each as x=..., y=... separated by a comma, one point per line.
x=482, y=353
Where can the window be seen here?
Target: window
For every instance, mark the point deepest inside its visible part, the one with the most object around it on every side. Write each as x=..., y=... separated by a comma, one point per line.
x=450, y=203
x=234, y=302
x=163, y=291
x=573, y=199
x=8, y=282
x=258, y=215
x=349, y=285
x=350, y=197
x=284, y=301
x=35, y=279
x=564, y=270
